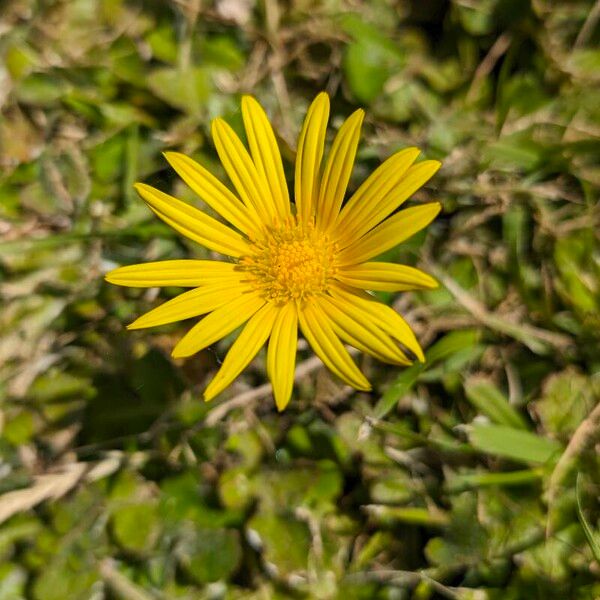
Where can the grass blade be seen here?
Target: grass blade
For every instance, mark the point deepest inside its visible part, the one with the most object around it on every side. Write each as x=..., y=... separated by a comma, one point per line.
x=507, y=442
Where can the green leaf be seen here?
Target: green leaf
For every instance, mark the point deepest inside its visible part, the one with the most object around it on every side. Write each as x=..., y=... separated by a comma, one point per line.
x=183, y=501
x=522, y=93
x=567, y=398
x=392, y=515
x=393, y=487
x=136, y=526
x=235, y=490
x=490, y=401
x=209, y=554
x=69, y=576
x=222, y=51
x=20, y=60
x=19, y=429
x=515, y=444
x=592, y=537
x=285, y=541
x=365, y=71
x=585, y=62
x=187, y=91
x=399, y=388
x=41, y=89
x=465, y=540
x=477, y=18
x=451, y=344
x=577, y=281
x=316, y=486
x=163, y=42
x=459, y=482
x=370, y=60
x=54, y=386
x=13, y=579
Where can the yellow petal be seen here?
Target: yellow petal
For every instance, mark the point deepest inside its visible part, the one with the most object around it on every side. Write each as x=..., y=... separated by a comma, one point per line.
x=383, y=316
x=250, y=186
x=385, y=277
x=265, y=153
x=320, y=335
x=198, y=301
x=308, y=157
x=390, y=233
x=378, y=185
x=243, y=350
x=193, y=223
x=338, y=170
x=180, y=273
x=281, y=355
x=218, y=324
x=212, y=191
x=348, y=322
x=367, y=216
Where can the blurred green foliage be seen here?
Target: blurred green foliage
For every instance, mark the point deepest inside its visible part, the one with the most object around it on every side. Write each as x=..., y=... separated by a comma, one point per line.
x=472, y=476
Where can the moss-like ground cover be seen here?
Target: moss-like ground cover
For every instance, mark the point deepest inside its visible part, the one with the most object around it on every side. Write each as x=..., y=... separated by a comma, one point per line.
x=473, y=476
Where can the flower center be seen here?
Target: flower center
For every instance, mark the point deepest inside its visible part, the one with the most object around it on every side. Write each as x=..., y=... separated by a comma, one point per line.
x=292, y=262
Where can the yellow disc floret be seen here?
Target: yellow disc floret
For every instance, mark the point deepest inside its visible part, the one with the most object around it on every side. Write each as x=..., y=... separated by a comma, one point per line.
x=292, y=262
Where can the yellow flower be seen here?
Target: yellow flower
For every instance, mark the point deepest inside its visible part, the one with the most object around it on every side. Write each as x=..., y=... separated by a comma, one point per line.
x=306, y=267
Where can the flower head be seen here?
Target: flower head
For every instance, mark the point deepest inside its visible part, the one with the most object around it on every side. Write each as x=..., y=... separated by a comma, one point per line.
x=306, y=265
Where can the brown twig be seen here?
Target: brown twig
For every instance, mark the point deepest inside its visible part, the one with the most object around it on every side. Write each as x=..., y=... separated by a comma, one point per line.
x=54, y=485
x=588, y=27
x=585, y=437
x=487, y=65
x=535, y=338
x=119, y=583
x=262, y=391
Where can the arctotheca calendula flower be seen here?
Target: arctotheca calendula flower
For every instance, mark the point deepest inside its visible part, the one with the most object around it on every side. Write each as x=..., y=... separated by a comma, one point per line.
x=305, y=265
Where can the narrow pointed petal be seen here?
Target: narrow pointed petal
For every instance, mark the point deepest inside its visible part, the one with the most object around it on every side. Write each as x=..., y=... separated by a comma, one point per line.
x=385, y=277
x=383, y=316
x=243, y=350
x=193, y=223
x=327, y=346
x=180, y=273
x=218, y=324
x=349, y=323
x=390, y=233
x=249, y=184
x=212, y=191
x=380, y=183
x=367, y=215
x=281, y=355
x=194, y=303
x=265, y=153
x=308, y=158
x=338, y=170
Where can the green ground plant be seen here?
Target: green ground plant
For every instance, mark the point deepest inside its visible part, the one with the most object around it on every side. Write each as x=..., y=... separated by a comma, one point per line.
x=472, y=476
